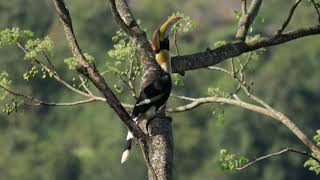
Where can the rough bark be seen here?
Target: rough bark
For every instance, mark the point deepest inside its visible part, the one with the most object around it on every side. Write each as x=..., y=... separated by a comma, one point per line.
x=180, y=64
x=161, y=148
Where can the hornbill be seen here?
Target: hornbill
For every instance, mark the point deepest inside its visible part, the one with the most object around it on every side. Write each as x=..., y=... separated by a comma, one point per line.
x=156, y=94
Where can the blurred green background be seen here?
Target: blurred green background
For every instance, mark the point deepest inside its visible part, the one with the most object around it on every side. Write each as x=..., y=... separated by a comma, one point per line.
x=85, y=142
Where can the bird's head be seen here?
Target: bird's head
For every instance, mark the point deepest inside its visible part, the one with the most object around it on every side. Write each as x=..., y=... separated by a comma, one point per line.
x=160, y=42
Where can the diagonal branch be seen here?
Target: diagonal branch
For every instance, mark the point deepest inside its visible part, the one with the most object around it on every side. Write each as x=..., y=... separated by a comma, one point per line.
x=287, y=21
x=212, y=57
x=89, y=70
x=247, y=18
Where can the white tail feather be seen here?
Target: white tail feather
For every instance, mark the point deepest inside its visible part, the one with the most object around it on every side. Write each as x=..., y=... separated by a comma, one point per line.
x=129, y=136
x=125, y=156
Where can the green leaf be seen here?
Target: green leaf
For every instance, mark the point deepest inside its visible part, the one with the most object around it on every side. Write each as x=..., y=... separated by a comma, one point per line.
x=312, y=164
x=177, y=80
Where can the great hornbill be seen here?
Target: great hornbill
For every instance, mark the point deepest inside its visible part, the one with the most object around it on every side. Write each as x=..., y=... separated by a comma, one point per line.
x=156, y=94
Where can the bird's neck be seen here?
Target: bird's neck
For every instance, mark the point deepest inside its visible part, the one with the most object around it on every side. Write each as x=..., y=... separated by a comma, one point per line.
x=164, y=60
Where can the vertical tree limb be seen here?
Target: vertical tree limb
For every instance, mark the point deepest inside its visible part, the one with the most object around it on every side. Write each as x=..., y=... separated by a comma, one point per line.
x=89, y=70
x=247, y=19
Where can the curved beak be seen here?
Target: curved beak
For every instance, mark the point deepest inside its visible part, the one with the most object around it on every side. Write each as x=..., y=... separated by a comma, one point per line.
x=167, y=26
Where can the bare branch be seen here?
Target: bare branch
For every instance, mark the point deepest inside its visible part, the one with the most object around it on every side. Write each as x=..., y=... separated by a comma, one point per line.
x=221, y=70
x=83, y=84
x=287, y=150
x=90, y=71
x=199, y=60
x=39, y=102
x=247, y=19
x=291, y=12
x=316, y=7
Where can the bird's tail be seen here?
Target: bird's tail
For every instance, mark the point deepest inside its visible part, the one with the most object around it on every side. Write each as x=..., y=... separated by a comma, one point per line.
x=127, y=148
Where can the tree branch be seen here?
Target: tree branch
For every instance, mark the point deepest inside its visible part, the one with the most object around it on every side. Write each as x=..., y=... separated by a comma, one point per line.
x=39, y=102
x=90, y=71
x=287, y=21
x=277, y=154
x=247, y=19
x=199, y=60
x=196, y=102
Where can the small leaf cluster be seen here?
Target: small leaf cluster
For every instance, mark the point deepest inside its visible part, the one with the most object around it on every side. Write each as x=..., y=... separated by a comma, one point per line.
x=13, y=106
x=220, y=43
x=177, y=80
x=228, y=161
x=5, y=82
x=36, y=46
x=312, y=164
x=13, y=35
x=218, y=114
x=72, y=63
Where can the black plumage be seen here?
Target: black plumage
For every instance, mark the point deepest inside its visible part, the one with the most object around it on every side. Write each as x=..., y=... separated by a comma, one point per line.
x=154, y=94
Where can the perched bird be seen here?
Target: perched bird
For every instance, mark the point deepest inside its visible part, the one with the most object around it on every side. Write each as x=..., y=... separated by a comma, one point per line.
x=156, y=94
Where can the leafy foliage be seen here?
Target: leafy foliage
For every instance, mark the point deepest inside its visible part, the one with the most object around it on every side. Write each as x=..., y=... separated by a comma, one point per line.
x=72, y=63
x=13, y=35
x=312, y=164
x=36, y=46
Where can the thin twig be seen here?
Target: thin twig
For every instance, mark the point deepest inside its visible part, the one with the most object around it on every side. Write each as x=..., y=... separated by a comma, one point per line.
x=83, y=84
x=220, y=69
x=55, y=75
x=304, y=153
x=129, y=76
x=233, y=68
x=287, y=21
x=53, y=69
x=175, y=39
x=317, y=9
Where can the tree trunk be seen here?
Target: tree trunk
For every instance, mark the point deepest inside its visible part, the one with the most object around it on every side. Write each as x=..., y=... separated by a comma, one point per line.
x=161, y=148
